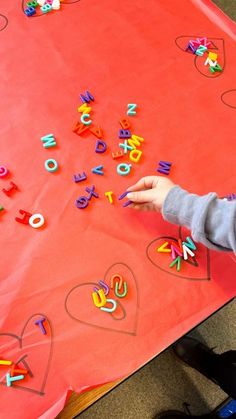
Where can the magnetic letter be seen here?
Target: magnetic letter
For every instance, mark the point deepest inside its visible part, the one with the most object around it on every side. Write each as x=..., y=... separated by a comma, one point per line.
x=48, y=141
x=100, y=146
x=26, y=217
x=86, y=97
x=79, y=128
x=11, y=189
x=79, y=178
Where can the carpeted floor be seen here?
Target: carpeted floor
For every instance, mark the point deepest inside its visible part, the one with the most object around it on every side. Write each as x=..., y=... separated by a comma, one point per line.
x=166, y=383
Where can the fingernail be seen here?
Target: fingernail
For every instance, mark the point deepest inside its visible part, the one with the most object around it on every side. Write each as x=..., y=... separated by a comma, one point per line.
x=127, y=203
x=123, y=195
x=129, y=195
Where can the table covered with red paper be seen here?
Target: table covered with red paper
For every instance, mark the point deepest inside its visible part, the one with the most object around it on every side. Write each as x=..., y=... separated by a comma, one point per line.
x=122, y=52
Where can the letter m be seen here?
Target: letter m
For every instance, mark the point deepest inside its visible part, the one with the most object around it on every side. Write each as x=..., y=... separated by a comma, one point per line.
x=87, y=97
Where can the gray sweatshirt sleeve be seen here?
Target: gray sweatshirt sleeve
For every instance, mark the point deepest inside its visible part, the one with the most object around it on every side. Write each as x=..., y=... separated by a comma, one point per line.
x=211, y=220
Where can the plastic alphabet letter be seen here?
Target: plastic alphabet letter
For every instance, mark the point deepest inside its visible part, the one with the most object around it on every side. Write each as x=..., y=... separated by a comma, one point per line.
x=135, y=141
x=10, y=379
x=104, y=286
x=33, y=3
x=33, y=220
x=26, y=217
x=30, y=11
x=125, y=146
x=186, y=251
x=56, y=4
x=82, y=202
x=112, y=309
x=191, y=49
x=80, y=178
x=210, y=62
x=123, y=169
x=51, y=165
x=189, y=243
x=41, y=325
x=125, y=123
x=109, y=194
x=174, y=251
x=12, y=188
x=15, y=370
x=99, y=298
x=85, y=119
x=212, y=56
x=91, y=192
x=3, y=171
x=116, y=277
x=46, y=8
x=84, y=108
x=117, y=154
x=79, y=128
x=163, y=248
x=48, y=141
x=124, y=133
x=98, y=170
x=5, y=362
x=135, y=155
x=177, y=262
x=101, y=146
x=164, y=167
x=87, y=97
x=215, y=68
x=97, y=131
x=131, y=109
x=125, y=291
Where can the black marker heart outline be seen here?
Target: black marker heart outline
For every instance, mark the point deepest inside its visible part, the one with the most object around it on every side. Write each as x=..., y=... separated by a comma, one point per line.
x=225, y=102
x=42, y=14
x=196, y=57
x=208, y=269
x=134, y=331
x=5, y=23
x=19, y=339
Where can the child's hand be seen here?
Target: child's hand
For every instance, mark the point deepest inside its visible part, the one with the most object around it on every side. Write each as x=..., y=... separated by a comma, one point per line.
x=149, y=193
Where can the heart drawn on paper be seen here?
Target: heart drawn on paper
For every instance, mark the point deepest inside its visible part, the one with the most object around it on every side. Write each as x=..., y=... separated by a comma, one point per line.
x=38, y=10
x=31, y=350
x=229, y=98
x=3, y=22
x=217, y=46
x=197, y=268
x=80, y=307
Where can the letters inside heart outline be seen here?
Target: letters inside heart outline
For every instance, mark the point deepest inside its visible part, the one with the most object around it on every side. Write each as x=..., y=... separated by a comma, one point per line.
x=196, y=58
x=19, y=339
x=23, y=5
x=208, y=268
x=93, y=283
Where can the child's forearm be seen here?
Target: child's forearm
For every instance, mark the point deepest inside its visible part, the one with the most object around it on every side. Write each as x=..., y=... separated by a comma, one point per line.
x=212, y=221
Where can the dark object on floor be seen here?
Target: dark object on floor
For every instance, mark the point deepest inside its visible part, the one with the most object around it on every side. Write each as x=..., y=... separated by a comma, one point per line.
x=175, y=414
x=221, y=369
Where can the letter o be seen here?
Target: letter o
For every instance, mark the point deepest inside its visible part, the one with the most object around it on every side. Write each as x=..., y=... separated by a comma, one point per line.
x=51, y=165
x=33, y=220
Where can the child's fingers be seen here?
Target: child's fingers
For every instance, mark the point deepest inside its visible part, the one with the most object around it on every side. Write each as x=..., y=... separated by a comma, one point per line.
x=144, y=183
x=141, y=207
x=141, y=196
